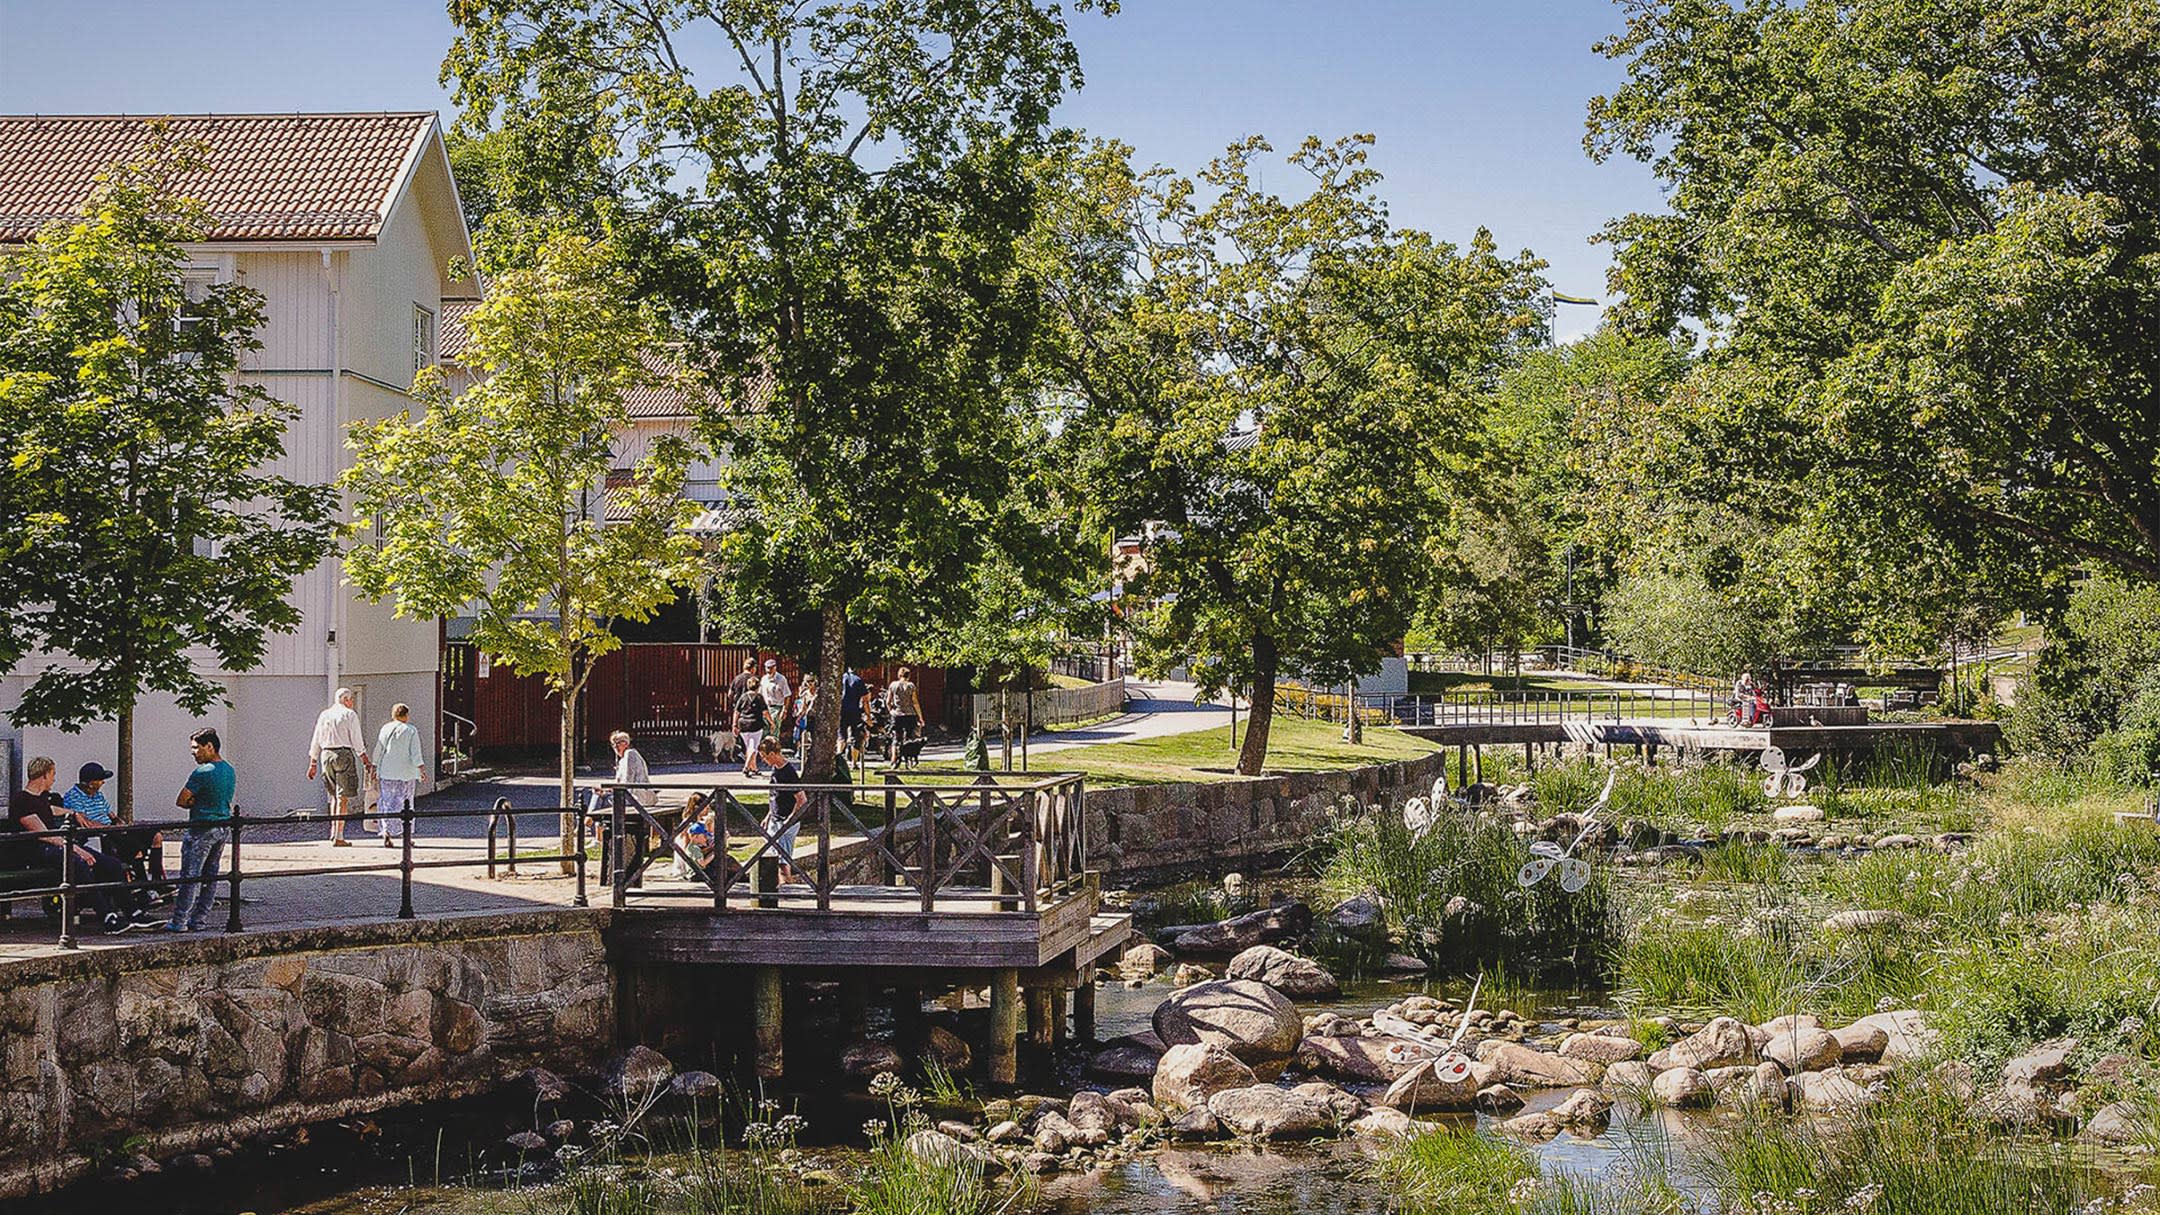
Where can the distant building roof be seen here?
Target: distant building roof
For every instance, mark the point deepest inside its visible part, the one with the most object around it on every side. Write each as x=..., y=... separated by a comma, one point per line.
x=266, y=177
x=450, y=332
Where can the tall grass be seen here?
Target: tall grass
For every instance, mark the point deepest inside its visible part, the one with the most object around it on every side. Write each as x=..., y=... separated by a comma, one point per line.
x=898, y=1179
x=1678, y=798
x=1475, y=858
x=1456, y=1172
x=1917, y=1152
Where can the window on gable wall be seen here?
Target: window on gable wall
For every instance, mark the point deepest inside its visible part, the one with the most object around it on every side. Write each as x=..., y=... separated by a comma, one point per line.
x=195, y=284
x=423, y=338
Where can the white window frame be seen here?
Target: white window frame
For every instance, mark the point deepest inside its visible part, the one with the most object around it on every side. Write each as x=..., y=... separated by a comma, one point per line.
x=426, y=337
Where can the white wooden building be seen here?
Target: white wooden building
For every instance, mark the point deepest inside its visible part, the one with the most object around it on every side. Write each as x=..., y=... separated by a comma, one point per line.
x=346, y=223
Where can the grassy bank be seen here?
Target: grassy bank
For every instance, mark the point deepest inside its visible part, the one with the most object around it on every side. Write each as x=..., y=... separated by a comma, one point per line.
x=1206, y=756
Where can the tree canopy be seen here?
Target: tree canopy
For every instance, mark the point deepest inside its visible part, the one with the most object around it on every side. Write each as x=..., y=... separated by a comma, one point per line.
x=498, y=501
x=829, y=199
x=1922, y=238
x=1284, y=384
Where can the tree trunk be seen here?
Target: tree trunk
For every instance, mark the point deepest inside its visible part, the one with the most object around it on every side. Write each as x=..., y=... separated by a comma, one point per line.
x=124, y=765
x=832, y=666
x=571, y=841
x=1262, y=715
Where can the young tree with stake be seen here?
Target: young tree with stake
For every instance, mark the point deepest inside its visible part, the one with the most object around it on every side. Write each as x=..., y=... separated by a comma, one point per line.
x=494, y=501
x=134, y=474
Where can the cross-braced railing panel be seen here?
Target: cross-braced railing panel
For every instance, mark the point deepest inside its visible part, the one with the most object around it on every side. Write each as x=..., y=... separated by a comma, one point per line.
x=994, y=838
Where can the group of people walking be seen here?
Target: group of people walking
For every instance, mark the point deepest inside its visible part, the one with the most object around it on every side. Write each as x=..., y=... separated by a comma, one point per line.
x=766, y=708
x=339, y=756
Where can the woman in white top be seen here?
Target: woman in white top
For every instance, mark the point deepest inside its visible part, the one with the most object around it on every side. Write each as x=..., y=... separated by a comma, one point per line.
x=399, y=764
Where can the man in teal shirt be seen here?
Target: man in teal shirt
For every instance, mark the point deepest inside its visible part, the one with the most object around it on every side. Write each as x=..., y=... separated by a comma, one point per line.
x=207, y=797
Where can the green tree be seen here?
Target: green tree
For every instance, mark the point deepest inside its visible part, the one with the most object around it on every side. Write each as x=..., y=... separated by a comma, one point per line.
x=1288, y=386
x=498, y=501
x=1923, y=237
x=135, y=498
x=830, y=199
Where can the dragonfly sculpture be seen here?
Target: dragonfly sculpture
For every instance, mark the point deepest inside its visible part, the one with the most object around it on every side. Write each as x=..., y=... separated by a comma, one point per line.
x=1420, y=814
x=1785, y=779
x=1546, y=856
x=1410, y=1046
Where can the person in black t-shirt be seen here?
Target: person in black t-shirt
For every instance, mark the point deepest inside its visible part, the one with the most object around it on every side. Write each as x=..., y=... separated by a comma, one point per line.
x=33, y=808
x=785, y=798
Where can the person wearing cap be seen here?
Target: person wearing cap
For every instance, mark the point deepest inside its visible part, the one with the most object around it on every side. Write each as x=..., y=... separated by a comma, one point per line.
x=774, y=688
x=141, y=849
x=336, y=753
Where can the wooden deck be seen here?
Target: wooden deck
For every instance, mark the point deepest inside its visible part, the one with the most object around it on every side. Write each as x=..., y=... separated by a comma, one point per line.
x=866, y=928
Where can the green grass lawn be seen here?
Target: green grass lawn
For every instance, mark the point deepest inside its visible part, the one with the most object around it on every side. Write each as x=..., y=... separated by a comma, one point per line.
x=1294, y=745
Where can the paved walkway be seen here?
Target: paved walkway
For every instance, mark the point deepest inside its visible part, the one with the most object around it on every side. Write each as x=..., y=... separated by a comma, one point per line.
x=356, y=894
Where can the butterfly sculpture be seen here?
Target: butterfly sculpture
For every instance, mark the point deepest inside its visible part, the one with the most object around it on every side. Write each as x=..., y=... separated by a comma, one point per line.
x=1546, y=856
x=1410, y=1046
x=1785, y=779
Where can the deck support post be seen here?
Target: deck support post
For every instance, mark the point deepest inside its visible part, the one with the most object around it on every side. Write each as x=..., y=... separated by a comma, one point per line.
x=907, y=1012
x=1084, y=1007
x=765, y=1004
x=1041, y=1016
x=854, y=1007
x=1478, y=752
x=1004, y=1026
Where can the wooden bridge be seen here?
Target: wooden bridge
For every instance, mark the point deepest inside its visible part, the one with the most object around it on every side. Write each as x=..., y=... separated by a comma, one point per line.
x=917, y=883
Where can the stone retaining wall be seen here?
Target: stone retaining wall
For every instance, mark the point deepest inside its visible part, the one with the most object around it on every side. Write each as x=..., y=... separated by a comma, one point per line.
x=1139, y=828
x=196, y=1042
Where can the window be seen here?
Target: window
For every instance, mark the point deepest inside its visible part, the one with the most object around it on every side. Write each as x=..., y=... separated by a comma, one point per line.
x=423, y=338
x=195, y=283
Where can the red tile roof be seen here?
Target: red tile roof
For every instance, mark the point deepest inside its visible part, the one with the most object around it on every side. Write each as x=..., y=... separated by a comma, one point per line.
x=266, y=177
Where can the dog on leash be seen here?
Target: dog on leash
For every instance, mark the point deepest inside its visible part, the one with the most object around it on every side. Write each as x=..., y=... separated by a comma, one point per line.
x=909, y=753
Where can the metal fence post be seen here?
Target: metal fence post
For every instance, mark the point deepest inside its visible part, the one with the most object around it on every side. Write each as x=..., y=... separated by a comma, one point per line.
x=405, y=821
x=616, y=857
x=232, y=872
x=67, y=884
x=578, y=856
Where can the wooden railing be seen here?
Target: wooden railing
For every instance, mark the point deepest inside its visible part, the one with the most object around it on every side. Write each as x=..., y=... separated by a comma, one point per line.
x=1503, y=707
x=1016, y=842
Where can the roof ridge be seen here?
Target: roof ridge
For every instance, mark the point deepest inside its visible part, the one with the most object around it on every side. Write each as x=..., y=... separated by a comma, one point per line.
x=221, y=114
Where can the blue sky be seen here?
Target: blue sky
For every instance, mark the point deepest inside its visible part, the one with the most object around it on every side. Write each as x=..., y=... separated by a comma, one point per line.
x=1478, y=106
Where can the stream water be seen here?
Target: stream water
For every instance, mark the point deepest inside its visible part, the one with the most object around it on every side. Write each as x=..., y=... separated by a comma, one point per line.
x=428, y=1160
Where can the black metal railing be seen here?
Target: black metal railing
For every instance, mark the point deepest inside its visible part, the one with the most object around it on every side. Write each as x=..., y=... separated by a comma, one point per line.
x=70, y=892
x=1504, y=706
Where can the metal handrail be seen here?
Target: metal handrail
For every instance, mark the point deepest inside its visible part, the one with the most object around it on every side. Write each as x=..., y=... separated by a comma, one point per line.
x=70, y=891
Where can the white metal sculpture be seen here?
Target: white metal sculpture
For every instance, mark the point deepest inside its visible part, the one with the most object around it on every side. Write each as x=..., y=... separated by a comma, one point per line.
x=1410, y=1046
x=1546, y=856
x=1785, y=779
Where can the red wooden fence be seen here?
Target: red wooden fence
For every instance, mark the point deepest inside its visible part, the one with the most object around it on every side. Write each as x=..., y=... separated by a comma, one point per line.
x=664, y=694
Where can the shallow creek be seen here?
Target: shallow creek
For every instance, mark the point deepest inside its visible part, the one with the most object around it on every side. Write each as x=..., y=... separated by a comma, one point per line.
x=394, y=1174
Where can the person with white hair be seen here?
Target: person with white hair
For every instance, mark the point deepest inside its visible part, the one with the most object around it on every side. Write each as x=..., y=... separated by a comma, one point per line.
x=336, y=753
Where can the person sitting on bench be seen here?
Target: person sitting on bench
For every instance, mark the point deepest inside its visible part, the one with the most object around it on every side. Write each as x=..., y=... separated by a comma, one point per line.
x=30, y=809
x=142, y=850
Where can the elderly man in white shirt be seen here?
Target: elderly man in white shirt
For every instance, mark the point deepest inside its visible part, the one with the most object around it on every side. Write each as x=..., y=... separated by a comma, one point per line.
x=336, y=753
x=398, y=764
x=774, y=688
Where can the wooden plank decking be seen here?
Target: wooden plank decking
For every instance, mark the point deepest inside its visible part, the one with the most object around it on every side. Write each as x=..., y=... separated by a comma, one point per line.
x=867, y=927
